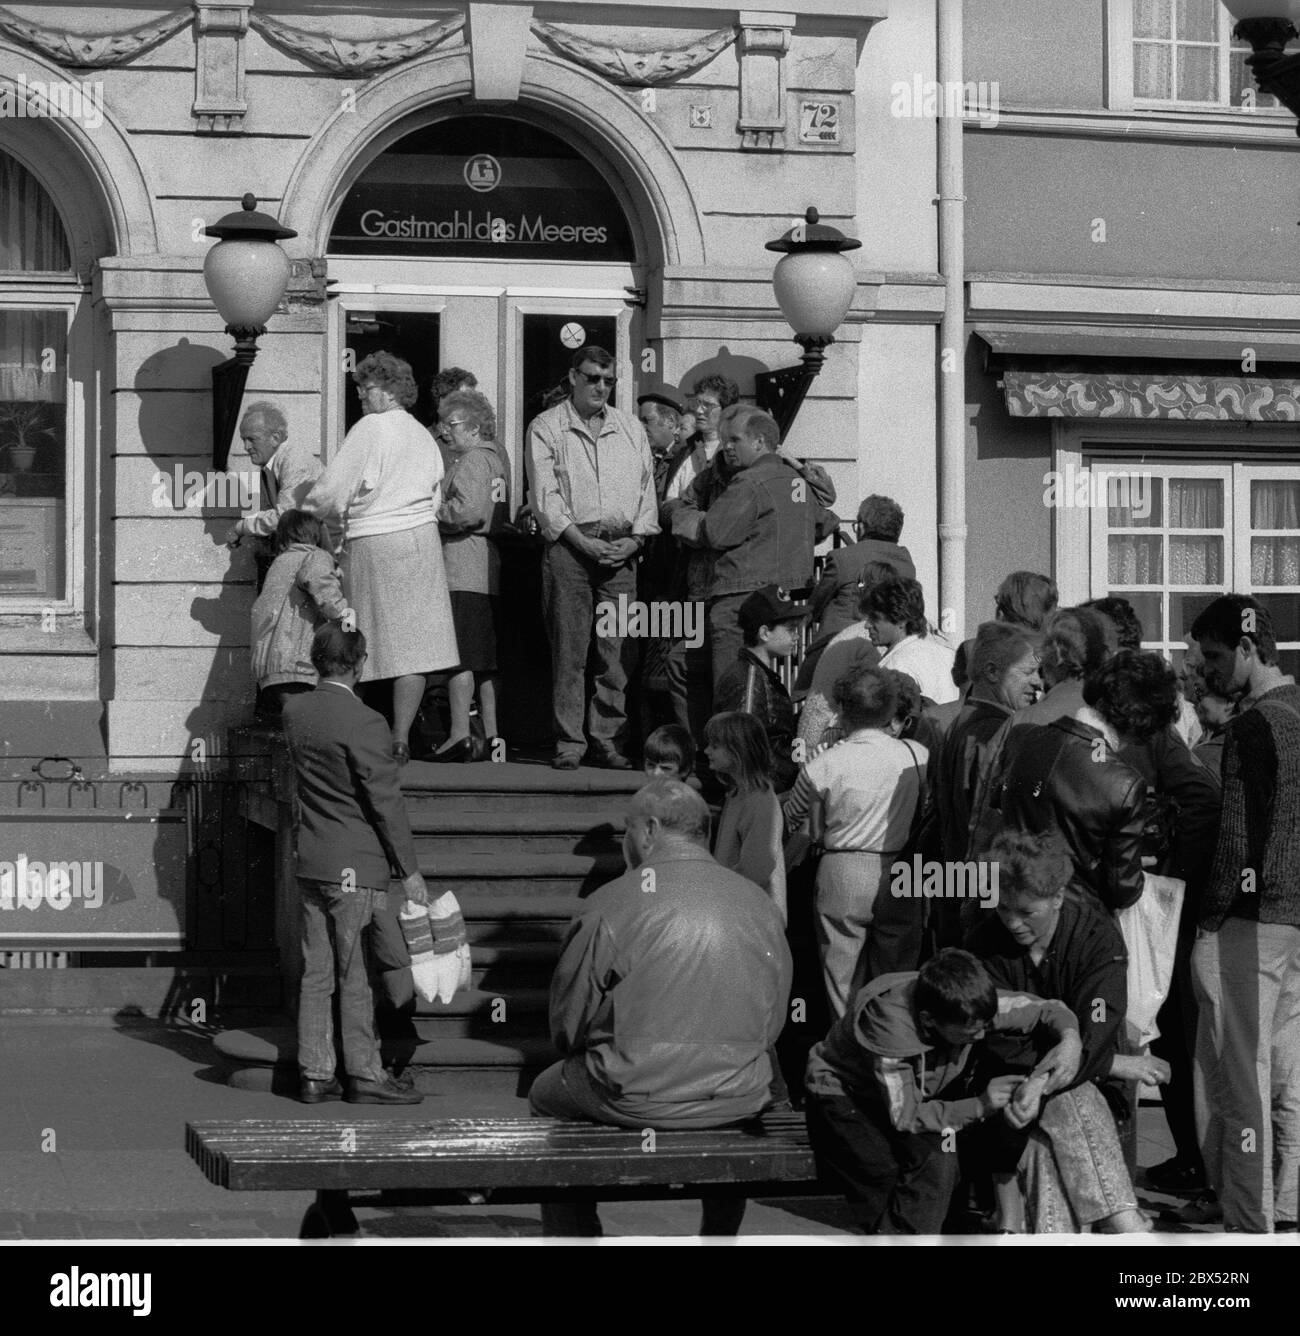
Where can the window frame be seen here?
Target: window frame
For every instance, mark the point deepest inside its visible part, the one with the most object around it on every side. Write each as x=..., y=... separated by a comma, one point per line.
x=1120, y=95
x=34, y=291
x=1270, y=450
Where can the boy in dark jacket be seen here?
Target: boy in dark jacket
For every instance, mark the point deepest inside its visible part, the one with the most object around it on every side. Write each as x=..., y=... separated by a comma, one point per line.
x=887, y=1093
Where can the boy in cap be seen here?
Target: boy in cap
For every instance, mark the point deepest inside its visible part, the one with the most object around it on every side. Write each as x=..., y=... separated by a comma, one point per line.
x=769, y=623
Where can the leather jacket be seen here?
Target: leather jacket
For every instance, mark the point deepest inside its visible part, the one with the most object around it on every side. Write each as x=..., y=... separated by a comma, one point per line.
x=673, y=985
x=1056, y=776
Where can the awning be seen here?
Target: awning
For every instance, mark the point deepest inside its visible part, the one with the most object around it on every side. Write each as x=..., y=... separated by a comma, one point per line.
x=1187, y=343
x=1181, y=397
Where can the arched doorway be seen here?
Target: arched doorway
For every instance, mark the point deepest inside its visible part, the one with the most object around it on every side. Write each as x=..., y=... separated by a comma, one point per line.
x=488, y=242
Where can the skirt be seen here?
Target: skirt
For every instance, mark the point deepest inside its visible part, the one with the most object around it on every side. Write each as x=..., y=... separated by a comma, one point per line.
x=396, y=585
x=474, y=616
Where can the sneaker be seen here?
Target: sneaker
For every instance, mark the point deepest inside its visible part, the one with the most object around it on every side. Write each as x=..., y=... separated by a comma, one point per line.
x=386, y=1091
x=1205, y=1210
x=1175, y=1175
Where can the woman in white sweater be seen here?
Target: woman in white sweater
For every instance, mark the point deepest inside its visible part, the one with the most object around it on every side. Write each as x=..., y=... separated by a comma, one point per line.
x=382, y=490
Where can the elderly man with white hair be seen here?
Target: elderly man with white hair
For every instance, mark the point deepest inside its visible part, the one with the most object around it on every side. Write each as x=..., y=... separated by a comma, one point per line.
x=288, y=469
x=671, y=989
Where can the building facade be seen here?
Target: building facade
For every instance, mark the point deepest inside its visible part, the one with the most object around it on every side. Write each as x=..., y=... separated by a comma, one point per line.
x=1074, y=223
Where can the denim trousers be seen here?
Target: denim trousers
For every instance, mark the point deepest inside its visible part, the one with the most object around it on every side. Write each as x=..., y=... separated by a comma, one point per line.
x=334, y=923
x=1247, y=1069
x=1072, y=1173
x=726, y=639
x=573, y=587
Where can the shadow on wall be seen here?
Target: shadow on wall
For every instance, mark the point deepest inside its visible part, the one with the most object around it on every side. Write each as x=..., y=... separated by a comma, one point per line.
x=175, y=425
x=725, y=363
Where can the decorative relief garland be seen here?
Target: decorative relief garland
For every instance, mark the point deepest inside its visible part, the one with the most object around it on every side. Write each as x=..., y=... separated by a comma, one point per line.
x=339, y=56
x=633, y=67
x=77, y=52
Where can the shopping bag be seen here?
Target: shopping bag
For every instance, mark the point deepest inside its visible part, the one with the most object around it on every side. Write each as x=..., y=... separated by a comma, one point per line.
x=1150, y=932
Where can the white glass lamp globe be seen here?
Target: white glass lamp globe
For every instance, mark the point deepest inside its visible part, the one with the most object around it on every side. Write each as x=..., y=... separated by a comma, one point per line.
x=246, y=280
x=814, y=289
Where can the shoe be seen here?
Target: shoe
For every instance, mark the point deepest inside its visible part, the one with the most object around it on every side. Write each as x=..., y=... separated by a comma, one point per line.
x=613, y=760
x=460, y=750
x=317, y=1092
x=565, y=761
x=386, y=1091
x=1175, y=1175
x=401, y=753
x=1205, y=1210
x=403, y=1080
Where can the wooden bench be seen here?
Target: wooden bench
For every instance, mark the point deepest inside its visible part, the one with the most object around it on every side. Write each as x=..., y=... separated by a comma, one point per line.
x=504, y=1160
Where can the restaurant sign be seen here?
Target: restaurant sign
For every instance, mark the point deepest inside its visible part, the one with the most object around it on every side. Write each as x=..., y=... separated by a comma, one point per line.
x=482, y=206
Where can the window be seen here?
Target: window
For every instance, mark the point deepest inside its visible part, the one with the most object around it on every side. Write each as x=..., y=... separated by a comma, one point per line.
x=1184, y=54
x=38, y=297
x=1186, y=533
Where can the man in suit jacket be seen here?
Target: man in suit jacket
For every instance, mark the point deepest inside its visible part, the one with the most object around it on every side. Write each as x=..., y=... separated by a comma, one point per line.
x=353, y=836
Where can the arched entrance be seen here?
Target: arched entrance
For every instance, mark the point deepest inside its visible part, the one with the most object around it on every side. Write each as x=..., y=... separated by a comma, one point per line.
x=490, y=242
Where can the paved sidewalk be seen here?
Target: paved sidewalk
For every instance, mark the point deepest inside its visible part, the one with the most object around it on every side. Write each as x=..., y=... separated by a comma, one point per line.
x=94, y=1114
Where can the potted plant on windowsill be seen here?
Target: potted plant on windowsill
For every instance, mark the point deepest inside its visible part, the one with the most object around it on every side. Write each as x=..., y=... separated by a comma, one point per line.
x=21, y=428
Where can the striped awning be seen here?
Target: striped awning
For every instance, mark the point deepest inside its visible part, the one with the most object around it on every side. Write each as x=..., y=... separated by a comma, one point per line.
x=1078, y=394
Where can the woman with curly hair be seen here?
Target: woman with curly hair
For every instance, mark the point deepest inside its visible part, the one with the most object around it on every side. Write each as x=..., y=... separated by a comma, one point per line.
x=382, y=491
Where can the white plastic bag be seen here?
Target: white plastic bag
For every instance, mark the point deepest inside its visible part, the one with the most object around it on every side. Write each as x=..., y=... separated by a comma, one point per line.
x=1150, y=931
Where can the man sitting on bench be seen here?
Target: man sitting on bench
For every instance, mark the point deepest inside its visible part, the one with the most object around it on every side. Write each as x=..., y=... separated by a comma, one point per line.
x=670, y=991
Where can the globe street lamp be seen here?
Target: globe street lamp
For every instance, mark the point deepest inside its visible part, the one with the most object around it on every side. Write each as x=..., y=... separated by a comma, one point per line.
x=246, y=275
x=814, y=283
x=1268, y=25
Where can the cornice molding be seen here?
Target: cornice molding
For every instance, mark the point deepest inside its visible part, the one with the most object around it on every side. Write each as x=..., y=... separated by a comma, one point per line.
x=336, y=55
x=75, y=51
x=636, y=68
x=1230, y=128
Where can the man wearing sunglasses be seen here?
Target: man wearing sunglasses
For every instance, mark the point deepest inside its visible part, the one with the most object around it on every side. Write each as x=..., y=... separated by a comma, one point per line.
x=591, y=487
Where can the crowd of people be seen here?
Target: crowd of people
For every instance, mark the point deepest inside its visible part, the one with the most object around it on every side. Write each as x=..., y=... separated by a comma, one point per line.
x=980, y=837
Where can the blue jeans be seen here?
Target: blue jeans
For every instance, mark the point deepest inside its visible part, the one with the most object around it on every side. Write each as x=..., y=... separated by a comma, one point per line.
x=726, y=639
x=334, y=922
x=572, y=588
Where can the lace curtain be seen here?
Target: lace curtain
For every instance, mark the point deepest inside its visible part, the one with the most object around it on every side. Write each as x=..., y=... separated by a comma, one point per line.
x=33, y=358
x=1275, y=505
x=1194, y=559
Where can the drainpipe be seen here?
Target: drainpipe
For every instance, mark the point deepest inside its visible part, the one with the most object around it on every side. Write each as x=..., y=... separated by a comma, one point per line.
x=952, y=330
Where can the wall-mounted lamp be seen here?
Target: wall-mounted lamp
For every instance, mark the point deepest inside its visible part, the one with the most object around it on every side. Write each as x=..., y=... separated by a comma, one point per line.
x=814, y=283
x=246, y=274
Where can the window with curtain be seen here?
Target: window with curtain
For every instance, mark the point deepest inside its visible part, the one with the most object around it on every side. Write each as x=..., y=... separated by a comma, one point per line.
x=1183, y=52
x=1199, y=531
x=34, y=321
